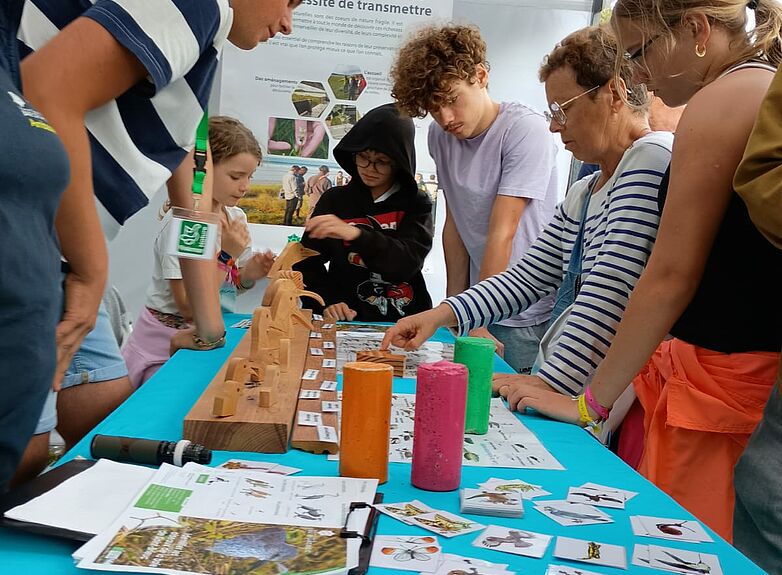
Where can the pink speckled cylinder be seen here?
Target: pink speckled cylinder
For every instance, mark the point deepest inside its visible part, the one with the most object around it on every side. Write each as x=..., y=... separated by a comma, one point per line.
x=438, y=434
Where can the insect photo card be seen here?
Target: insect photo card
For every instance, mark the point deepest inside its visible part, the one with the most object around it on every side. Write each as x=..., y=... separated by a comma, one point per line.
x=527, y=490
x=591, y=552
x=459, y=568
x=664, y=528
x=569, y=514
x=446, y=524
x=405, y=552
x=516, y=541
x=404, y=511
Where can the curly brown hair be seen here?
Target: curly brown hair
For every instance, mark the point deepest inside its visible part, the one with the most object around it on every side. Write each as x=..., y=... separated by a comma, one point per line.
x=592, y=53
x=427, y=66
x=229, y=137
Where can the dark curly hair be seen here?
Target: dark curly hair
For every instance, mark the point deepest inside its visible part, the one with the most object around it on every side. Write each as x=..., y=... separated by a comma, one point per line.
x=592, y=53
x=427, y=66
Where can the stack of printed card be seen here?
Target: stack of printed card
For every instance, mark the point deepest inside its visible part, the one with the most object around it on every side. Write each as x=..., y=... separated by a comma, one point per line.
x=526, y=490
x=516, y=541
x=681, y=529
x=600, y=495
x=676, y=560
x=565, y=570
x=421, y=515
x=569, y=514
x=497, y=503
x=593, y=552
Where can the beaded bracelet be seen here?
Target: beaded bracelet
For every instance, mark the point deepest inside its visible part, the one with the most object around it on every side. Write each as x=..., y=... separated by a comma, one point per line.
x=602, y=412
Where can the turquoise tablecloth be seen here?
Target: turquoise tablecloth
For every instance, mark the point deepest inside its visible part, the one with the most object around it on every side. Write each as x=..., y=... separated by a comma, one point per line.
x=156, y=411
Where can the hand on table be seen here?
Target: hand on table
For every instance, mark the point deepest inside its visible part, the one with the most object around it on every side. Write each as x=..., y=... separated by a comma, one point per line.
x=339, y=312
x=503, y=382
x=329, y=226
x=82, y=300
x=234, y=236
x=411, y=332
x=499, y=347
x=529, y=392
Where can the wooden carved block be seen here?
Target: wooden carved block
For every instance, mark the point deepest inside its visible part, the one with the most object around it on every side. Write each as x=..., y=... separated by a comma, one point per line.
x=225, y=401
x=396, y=361
x=267, y=395
x=285, y=355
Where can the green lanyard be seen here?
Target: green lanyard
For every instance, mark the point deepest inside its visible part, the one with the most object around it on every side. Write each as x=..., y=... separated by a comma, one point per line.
x=200, y=156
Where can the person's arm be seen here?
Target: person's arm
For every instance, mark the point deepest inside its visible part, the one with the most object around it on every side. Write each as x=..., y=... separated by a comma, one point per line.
x=705, y=156
x=503, y=224
x=759, y=177
x=180, y=299
x=399, y=257
x=457, y=259
x=316, y=276
x=632, y=220
x=80, y=69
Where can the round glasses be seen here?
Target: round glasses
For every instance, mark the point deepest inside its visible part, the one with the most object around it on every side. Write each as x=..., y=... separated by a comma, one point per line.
x=557, y=110
x=381, y=166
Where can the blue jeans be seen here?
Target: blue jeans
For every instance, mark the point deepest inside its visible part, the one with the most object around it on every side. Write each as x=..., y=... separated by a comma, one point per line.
x=521, y=344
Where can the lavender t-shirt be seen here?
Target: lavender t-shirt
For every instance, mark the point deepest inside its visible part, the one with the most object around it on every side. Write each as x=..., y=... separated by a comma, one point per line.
x=514, y=157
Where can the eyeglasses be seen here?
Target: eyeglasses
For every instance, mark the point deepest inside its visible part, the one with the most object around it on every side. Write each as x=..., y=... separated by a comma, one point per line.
x=557, y=111
x=381, y=166
x=633, y=56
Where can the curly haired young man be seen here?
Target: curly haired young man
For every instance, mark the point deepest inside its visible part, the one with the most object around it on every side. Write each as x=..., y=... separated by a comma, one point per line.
x=496, y=166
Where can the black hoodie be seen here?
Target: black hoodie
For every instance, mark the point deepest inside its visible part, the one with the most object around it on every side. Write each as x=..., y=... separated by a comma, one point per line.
x=378, y=275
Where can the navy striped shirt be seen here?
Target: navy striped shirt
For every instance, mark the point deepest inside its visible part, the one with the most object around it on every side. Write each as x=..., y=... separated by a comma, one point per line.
x=621, y=228
x=140, y=138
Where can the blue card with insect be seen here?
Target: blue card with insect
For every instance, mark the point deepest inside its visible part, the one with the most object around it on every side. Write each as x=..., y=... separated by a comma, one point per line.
x=405, y=552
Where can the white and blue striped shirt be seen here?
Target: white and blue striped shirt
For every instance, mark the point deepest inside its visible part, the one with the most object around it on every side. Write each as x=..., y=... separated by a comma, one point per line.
x=621, y=228
x=140, y=138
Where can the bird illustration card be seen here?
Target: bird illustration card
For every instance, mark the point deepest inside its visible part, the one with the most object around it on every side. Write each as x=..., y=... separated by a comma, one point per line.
x=330, y=363
x=316, y=351
x=459, y=568
x=328, y=385
x=330, y=406
x=473, y=562
x=628, y=494
x=565, y=570
x=664, y=528
x=309, y=394
x=311, y=418
x=446, y=524
x=483, y=502
x=569, y=514
x=310, y=375
x=591, y=552
x=407, y=553
x=683, y=561
x=328, y=345
x=405, y=510
x=527, y=490
x=516, y=541
x=597, y=497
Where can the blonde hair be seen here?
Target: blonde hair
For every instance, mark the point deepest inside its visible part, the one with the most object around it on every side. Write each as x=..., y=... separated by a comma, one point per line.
x=663, y=16
x=227, y=138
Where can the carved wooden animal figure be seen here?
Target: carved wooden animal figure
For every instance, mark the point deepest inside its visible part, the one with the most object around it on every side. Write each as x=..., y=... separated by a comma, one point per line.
x=291, y=254
x=224, y=404
x=282, y=277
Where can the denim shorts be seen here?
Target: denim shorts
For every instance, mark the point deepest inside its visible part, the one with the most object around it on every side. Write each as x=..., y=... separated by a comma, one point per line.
x=98, y=359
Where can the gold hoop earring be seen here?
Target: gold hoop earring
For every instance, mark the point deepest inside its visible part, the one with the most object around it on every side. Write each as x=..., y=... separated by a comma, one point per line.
x=700, y=53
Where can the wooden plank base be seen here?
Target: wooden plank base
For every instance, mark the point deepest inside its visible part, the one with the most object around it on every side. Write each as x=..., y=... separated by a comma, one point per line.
x=251, y=428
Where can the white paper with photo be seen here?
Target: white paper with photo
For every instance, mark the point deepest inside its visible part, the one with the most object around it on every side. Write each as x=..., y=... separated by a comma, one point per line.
x=571, y=514
x=451, y=567
x=250, y=467
x=446, y=524
x=406, y=553
x=473, y=562
x=627, y=494
x=515, y=541
x=683, y=561
x=666, y=528
x=527, y=490
x=405, y=510
x=591, y=552
x=565, y=570
x=597, y=497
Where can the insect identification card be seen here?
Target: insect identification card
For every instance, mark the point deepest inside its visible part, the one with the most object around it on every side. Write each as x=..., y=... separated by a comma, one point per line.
x=316, y=351
x=310, y=375
x=328, y=385
x=310, y=418
x=516, y=541
x=591, y=552
x=446, y=524
x=570, y=514
x=664, y=528
x=405, y=510
x=527, y=490
x=329, y=363
x=596, y=497
x=406, y=552
x=309, y=394
x=330, y=406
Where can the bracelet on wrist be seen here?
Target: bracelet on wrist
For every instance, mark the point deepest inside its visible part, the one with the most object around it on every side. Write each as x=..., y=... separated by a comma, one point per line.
x=204, y=345
x=224, y=258
x=601, y=411
x=584, y=416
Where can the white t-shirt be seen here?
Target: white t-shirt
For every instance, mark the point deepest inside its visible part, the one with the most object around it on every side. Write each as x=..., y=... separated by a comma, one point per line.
x=166, y=267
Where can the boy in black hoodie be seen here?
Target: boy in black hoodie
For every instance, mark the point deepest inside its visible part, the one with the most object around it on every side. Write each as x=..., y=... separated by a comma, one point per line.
x=375, y=231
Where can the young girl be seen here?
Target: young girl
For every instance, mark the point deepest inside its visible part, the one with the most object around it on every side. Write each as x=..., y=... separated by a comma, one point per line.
x=374, y=231
x=235, y=155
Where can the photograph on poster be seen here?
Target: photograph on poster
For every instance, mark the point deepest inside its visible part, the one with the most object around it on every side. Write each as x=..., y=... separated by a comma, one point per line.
x=341, y=118
x=347, y=82
x=301, y=138
x=310, y=99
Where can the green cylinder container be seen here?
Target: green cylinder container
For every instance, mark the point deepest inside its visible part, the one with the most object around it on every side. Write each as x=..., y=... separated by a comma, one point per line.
x=477, y=354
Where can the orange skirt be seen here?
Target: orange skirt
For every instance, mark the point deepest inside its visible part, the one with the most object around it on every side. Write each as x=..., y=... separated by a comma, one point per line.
x=700, y=408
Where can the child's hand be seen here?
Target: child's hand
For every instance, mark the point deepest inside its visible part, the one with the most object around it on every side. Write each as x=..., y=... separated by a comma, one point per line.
x=258, y=267
x=339, y=312
x=235, y=236
x=330, y=226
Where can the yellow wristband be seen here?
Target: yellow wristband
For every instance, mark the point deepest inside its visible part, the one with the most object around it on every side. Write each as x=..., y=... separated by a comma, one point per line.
x=584, y=416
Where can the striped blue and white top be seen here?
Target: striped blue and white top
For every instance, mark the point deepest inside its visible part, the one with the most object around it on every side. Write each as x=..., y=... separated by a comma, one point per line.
x=138, y=139
x=620, y=231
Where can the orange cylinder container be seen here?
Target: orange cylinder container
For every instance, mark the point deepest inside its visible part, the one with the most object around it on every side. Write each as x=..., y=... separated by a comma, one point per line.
x=366, y=419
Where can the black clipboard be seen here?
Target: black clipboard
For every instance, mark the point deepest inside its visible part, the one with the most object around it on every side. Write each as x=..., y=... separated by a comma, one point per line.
x=367, y=536
x=39, y=486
